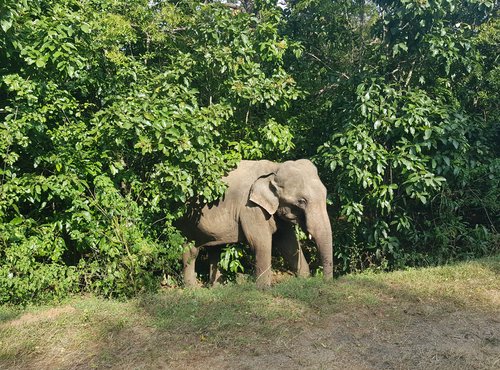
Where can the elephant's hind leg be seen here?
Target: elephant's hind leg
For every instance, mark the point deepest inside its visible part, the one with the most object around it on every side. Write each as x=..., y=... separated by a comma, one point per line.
x=188, y=261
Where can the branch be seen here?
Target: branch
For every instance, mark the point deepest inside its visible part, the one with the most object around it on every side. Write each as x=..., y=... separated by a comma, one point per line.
x=409, y=74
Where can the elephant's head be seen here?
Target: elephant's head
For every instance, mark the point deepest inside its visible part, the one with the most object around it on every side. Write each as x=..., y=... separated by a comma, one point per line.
x=296, y=194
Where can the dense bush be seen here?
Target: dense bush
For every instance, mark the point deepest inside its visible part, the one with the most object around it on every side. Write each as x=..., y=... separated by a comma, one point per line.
x=117, y=115
x=403, y=119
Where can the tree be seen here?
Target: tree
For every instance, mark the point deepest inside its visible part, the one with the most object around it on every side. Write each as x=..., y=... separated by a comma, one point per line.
x=116, y=116
x=387, y=90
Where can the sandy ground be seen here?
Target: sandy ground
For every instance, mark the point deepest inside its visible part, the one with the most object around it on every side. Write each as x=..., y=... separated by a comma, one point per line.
x=401, y=331
x=420, y=339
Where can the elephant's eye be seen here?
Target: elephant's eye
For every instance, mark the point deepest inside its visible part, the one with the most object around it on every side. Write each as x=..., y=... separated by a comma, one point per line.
x=302, y=202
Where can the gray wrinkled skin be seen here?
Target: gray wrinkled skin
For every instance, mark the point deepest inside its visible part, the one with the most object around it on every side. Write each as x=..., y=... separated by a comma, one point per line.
x=261, y=204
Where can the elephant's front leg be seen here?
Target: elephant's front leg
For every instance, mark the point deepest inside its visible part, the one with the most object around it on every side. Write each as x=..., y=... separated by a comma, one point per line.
x=263, y=271
x=189, y=261
x=288, y=246
x=258, y=231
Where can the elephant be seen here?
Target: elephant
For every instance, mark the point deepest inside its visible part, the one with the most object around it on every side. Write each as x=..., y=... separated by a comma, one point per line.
x=262, y=203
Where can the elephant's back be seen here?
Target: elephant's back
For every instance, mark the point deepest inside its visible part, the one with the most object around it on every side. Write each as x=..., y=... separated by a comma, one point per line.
x=219, y=221
x=241, y=179
x=248, y=171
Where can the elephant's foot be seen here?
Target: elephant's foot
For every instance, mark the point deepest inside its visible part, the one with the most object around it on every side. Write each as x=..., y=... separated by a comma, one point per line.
x=217, y=279
x=262, y=285
x=192, y=282
x=264, y=278
x=303, y=272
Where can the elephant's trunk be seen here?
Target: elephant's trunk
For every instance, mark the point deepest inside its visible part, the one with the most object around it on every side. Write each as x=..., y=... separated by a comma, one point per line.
x=321, y=231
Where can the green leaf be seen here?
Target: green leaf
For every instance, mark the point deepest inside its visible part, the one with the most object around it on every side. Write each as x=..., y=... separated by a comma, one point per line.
x=6, y=24
x=16, y=221
x=427, y=134
x=40, y=63
x=85, y=28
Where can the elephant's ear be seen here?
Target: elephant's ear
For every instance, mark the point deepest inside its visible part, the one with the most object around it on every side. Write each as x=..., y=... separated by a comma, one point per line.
x=263, y=193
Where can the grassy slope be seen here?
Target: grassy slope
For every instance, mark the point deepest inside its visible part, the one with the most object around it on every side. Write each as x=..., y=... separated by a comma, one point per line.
x=177, y=328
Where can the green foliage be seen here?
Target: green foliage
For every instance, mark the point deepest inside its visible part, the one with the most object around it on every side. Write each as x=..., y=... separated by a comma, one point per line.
x=230, y=260
x=116, y=116
x=398, y=135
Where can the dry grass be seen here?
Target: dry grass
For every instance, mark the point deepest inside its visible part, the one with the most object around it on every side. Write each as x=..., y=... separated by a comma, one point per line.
x=443, y=317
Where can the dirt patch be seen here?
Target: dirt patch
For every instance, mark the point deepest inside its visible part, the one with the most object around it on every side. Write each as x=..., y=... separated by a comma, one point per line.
x=494, y=296
x=47, y=315
x=394, y=335
x=437, y=318
x=371, y=340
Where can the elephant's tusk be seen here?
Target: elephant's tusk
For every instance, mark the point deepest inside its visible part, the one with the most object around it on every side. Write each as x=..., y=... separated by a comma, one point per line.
x=310, y=236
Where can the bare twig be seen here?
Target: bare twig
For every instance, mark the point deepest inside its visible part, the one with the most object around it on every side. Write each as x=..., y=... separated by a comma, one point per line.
x=408, y=78
x=319, y=60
